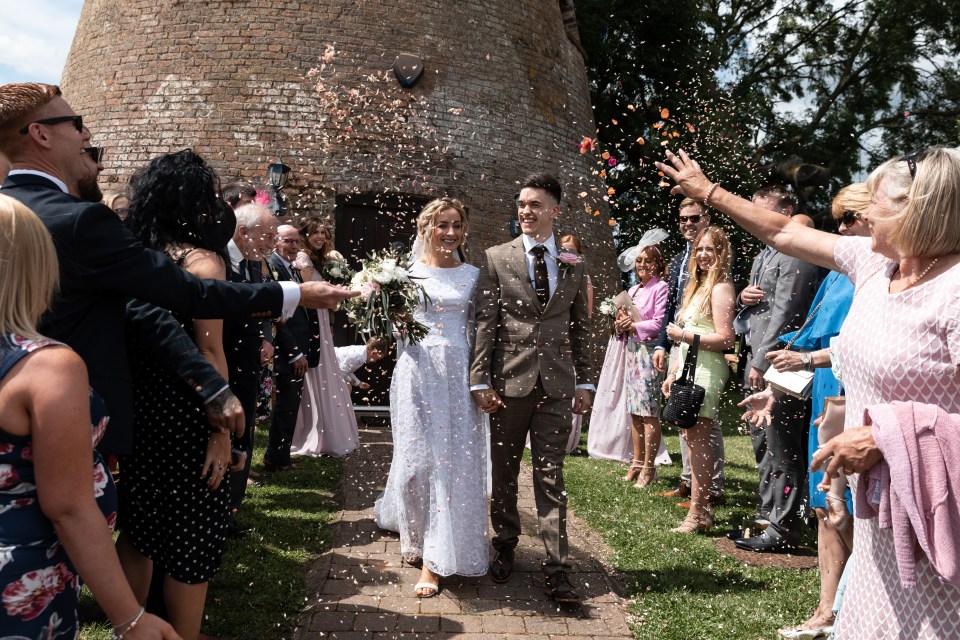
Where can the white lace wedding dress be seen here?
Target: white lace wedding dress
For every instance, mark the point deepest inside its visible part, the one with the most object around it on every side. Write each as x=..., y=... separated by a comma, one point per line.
x=436, y=493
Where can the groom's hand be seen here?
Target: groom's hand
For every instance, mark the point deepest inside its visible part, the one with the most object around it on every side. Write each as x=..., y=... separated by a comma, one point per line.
x=487, y=399
x=582, y=401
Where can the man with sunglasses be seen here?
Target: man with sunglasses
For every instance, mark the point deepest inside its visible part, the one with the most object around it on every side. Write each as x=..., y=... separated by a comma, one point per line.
x=102, y=265
x=694, y=218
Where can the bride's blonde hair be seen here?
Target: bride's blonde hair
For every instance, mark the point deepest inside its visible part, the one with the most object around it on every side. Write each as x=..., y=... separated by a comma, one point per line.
x=427, y=219
x=697, y=293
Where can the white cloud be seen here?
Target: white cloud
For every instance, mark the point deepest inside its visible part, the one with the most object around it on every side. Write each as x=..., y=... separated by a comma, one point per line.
x=35, y=39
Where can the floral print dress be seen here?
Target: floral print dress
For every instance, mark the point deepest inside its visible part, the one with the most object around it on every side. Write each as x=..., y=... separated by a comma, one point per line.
x=40, y=585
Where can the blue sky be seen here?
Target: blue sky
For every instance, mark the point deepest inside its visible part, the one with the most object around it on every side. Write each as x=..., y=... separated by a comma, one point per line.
x=35, y=37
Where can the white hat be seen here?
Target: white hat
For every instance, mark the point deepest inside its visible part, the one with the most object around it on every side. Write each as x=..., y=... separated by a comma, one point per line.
x=627, y=259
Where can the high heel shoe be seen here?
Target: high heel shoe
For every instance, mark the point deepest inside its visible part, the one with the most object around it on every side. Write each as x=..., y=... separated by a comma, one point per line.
x=695, y=522
x=648, y=475
x=636, y=467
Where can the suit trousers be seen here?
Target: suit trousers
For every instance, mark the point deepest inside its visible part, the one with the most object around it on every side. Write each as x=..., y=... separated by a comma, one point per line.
x=246, y=386
x=781, y=454
x=548, y=421
x=284, y=421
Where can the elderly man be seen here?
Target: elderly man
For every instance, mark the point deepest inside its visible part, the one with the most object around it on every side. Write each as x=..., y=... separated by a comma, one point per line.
x=694, y=218
x=247, y=342
x=781, y=289
x=101, y=263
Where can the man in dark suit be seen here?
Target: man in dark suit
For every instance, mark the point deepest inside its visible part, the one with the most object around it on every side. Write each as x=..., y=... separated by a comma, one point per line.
x=101, y=264
x=297, y=349
x=243, y=338
x=694, y=218
x=781, y=289
x=533, y=349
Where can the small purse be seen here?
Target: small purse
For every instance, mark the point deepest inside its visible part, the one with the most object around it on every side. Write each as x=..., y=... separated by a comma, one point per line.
x=794, y=383
x=686, y=398
x=833, y=418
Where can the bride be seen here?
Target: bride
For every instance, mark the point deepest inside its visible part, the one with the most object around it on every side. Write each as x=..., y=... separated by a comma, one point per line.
x=435, y=495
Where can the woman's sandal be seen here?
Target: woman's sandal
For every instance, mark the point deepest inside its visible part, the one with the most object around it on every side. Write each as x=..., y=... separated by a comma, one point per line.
x=837, y=514
x=695, y=522
x=636, y=467
x=430, y=588
x=646, y=477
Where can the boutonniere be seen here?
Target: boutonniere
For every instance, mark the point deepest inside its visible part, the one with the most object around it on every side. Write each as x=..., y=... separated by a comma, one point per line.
x=568, y=260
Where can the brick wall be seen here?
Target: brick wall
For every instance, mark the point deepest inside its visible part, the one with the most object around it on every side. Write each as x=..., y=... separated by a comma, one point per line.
x=504, y=93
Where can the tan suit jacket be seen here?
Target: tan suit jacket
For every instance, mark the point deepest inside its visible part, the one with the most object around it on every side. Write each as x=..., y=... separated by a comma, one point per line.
x=517, y=340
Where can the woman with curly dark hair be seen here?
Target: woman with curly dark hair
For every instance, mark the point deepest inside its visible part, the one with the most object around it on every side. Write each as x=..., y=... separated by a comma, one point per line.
x=174, y=500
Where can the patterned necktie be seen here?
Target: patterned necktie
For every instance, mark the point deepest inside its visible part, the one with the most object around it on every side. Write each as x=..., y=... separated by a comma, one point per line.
x=295, y=274
x=541, y=281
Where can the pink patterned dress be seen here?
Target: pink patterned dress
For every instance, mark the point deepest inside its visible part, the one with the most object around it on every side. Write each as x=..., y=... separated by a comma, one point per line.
x=903, y=346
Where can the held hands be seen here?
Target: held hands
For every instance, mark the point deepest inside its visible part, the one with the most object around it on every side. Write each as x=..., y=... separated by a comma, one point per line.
x=323, y=295
x=685, y=171
x=759, y=408
x=225, y=413
x=488, y=400
x=751, y=296
x=217, y=459
x=582, y=401
x=853, y=451
x=785, y=360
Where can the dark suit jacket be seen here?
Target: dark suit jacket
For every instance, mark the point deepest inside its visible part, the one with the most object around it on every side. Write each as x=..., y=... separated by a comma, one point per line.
x=673, y=277
x=300, y=333
x=243, y=335
x=102, y=266
x=519, y=341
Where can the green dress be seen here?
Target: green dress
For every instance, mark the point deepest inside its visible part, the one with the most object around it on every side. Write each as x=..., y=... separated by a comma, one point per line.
x=712, y=370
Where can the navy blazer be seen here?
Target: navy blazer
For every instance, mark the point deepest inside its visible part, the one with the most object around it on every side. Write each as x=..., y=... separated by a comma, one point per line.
x=300, y=333
x=102, y=266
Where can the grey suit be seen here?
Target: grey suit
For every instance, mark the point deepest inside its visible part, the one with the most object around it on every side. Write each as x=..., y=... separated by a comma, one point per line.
x=534, y=356
x=789, y=286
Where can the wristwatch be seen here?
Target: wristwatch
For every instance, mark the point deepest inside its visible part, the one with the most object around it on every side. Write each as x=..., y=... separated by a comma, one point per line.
x=807, y=361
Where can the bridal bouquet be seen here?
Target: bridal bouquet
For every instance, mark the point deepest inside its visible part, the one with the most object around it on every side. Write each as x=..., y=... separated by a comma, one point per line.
x=337, y=271
x=388, y=298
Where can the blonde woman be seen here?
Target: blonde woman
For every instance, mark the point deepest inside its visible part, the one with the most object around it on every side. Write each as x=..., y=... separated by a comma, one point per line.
x=435, y=495
x=706, y=310
x=55, y=514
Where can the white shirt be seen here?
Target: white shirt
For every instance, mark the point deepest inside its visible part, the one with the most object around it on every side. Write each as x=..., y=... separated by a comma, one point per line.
x=553, y=268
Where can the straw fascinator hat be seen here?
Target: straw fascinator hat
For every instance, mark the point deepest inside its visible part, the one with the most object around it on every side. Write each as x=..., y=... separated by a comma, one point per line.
x=627, y=259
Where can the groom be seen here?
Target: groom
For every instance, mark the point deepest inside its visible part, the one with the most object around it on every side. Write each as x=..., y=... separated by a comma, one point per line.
x=532, y=355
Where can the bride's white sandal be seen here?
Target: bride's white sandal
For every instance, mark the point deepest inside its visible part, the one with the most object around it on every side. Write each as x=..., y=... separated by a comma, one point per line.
x=429, y=587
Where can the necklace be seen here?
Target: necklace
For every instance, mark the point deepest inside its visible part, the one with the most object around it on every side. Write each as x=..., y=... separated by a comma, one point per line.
x=922, y=273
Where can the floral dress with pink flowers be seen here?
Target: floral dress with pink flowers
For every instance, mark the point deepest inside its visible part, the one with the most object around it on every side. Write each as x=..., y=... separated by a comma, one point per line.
x=41, y=587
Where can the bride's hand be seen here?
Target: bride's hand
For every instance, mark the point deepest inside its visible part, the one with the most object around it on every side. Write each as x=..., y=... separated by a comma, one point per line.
x=686, y=173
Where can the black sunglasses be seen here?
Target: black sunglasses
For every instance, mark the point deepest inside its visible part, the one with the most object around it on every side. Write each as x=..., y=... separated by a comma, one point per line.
x=849, y=218
x=76, y=120
x=912, y=159
x=694, y=218
x=95, y=152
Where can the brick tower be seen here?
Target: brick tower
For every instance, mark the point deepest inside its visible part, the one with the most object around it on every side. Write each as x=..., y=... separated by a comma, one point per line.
x=503, y=93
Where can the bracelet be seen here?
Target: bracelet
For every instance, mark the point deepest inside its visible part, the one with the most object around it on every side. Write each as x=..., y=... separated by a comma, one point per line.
x=706, y=200
x=683, y=336
x=120, y=630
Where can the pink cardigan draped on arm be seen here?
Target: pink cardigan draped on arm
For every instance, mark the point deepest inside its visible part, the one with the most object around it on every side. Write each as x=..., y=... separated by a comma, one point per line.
x=651, y=303
x=915, y=489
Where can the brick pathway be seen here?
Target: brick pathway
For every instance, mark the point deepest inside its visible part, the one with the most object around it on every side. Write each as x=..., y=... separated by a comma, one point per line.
x=360, y=590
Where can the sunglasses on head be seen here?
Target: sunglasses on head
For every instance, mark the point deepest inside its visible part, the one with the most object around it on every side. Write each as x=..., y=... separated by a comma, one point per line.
x=849, y=218
x=912, y=159
x=76, y=120
x=694, y=218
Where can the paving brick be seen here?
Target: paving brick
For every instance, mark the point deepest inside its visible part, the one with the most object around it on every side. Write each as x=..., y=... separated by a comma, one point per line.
x=423, y=623
x=504, y=624
x=379, y=621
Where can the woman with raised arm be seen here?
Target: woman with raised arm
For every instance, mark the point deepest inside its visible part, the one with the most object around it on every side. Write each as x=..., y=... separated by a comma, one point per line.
x=900, y=352
x=706, y=310
x=58, y=503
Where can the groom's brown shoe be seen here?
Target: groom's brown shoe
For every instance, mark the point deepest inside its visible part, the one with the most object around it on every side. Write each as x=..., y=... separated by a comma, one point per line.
x=502, y=566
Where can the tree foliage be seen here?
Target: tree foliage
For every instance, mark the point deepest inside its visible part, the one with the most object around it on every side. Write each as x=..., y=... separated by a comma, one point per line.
x=746, y=84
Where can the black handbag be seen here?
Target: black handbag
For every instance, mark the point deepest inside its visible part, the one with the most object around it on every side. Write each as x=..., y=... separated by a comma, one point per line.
x=686, y=398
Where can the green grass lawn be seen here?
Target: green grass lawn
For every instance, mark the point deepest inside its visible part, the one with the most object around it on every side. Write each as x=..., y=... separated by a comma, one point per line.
x=260, y=589
x=681, y=586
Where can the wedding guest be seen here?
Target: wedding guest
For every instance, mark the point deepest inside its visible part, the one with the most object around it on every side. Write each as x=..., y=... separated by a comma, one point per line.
x=897, y=348
x=174, y=501
x=239, y=193
x=118, y=202
x=352, y=357
x=706, y=310
x=629, y=386
x=810, y=351
x=58, y=504
x=435, y=495
x=326, y=423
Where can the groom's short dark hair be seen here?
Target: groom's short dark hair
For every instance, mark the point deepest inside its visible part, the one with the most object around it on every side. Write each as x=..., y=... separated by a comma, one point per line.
x=544, y=181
